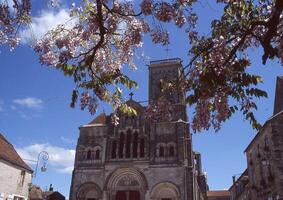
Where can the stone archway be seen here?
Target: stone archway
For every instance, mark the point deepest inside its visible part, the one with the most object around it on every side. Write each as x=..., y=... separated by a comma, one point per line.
x=126, y=184
x=165, y=191
x=89, y=191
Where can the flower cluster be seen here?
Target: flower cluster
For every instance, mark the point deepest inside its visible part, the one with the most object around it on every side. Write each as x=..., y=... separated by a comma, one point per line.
x=11, y=18
x=88, y=102
x=105, y=38
x=159, y=111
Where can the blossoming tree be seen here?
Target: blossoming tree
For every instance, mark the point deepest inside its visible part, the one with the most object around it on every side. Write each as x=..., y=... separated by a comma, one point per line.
x=108, y=33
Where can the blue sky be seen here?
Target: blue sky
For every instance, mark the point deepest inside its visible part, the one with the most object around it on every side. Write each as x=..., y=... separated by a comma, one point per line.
x=35, y=113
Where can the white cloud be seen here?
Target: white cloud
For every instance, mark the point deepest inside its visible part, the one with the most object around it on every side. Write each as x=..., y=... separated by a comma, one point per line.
x=20, y=112
x=41, y=24
x=60, y=159
x=29, y=102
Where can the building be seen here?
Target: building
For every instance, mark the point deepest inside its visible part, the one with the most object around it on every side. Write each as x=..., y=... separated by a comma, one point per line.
x=37, y=194
x=15, y=174
x=139, y=159
x=240, y=189
x=218, y=195
x=265, y=154
x=263, y=178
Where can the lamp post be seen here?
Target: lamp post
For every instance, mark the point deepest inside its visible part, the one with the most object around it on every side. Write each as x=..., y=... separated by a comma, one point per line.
x=44, y=156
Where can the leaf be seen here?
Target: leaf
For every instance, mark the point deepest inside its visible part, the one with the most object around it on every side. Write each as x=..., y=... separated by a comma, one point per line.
x=74, y=98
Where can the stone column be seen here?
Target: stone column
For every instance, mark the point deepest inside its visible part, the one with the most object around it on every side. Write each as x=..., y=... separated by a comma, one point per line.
x=104, y=195
x=117, y=150
x=103, y=151
x=132, y=146
x=138, y=150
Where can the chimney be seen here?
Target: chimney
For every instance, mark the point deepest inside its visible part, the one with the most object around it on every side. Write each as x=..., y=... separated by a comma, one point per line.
x=278, y=103
x=50, y=188
x=234, y=179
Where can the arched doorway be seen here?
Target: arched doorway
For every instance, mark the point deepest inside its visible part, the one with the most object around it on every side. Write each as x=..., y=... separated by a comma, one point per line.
x=126, y=184
x=89, y=191
x=165, y=191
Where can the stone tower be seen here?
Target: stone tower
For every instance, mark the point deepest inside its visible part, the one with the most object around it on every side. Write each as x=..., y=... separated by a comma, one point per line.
x=139, y=159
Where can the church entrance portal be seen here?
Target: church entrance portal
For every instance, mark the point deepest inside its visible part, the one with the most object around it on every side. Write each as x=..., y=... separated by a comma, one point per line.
x=126, y=184
x=128, y=195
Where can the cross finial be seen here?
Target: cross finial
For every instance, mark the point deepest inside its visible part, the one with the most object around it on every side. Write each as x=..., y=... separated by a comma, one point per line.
x=131, y=95
x=167, y=50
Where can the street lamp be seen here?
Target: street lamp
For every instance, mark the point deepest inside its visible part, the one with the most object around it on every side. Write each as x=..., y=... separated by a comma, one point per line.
x=44, y=156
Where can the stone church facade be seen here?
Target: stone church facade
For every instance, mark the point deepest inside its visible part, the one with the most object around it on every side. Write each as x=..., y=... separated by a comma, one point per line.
x=138, y=159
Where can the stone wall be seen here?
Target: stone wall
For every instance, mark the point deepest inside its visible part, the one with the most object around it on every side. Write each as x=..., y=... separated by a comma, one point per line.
x=278, y=104
x=264, y=157
x=14, y=181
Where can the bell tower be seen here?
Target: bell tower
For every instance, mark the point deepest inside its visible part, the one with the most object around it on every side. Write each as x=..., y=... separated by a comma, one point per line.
x=162, y=72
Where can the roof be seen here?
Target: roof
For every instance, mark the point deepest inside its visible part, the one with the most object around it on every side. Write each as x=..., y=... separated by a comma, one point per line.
x=135, y=105
x=244, y=177
x=218, y=193
x=170, y=61
x=9, y=154
x=100, y=119
x=53, y=195
x=35, y=193
x=261, y=130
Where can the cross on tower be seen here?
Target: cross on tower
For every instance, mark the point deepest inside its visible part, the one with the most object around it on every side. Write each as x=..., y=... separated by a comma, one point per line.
x=167, y=50
x=131, y=95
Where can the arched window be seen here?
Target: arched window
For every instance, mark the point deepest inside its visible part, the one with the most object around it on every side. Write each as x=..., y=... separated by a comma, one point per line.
x=135, y=145
x=171, y=151
x=97, y=154
x=88, y=155
x=128, y=144
x=142, y=148
x=121, y=145
x=114, y=147
x=161, y=151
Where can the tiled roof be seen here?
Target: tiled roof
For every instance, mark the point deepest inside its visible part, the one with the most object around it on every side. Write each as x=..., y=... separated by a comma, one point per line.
x=9, y=154
x=35, y=193
x=218, y=193
x=100, y=119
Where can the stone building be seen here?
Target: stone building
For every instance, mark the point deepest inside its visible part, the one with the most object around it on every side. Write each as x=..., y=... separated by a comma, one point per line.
x=218, y=195
x=36, y=193
x=15, y=174
x=240, y=190
x=138, y=159
x=265, y=154
x=263, y=178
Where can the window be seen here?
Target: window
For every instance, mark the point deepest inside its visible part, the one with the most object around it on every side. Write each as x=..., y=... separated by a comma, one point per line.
x=121, y=145
x=128, y=144
x=22, y=180
x=97, y=154
x=18, y=198
x=171, y=151
x=161, y=151
x=88, y=155
x=114, y=147
x=135, y=145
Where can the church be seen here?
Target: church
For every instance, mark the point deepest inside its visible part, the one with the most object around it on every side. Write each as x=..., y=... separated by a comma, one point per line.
x=140, y=159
